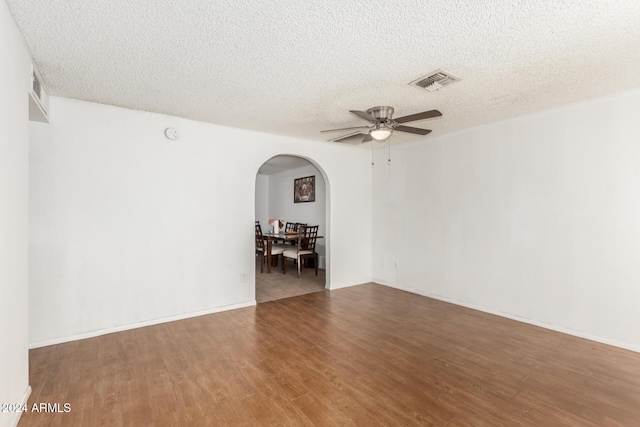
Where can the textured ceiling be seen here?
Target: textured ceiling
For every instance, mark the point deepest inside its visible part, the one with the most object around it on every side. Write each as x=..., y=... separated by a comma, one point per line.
x=293, y=67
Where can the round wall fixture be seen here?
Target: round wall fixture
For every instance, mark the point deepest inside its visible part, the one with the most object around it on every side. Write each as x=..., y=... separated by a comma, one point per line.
x=171, y=133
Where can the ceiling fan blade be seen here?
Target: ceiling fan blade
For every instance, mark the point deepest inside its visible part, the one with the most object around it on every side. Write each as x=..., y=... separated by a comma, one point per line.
x=367, y=138
x=419, y=116
x=346, y=137
x=411, y=129
x=368, y=117
x=336, y=130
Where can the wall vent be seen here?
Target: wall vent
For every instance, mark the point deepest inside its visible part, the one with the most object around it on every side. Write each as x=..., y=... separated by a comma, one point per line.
x=38, y=98
x=434, y=81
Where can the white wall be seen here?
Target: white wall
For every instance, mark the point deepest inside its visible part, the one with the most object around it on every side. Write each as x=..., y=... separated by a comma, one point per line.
x=14, y=148
x=262, y=199
x=130, y=228
x=535, y=218
x=281, y=203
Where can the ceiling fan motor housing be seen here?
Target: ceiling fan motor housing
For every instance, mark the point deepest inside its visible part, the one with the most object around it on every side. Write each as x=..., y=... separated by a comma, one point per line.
x=381, y=113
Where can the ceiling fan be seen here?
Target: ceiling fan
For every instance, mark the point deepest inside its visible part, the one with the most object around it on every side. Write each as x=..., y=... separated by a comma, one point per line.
x=382, y=124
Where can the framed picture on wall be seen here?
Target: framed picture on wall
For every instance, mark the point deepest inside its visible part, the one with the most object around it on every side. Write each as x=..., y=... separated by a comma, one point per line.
x=304, y=189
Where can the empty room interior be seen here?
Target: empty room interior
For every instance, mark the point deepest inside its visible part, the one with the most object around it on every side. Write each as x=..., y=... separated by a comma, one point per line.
x=463, y=180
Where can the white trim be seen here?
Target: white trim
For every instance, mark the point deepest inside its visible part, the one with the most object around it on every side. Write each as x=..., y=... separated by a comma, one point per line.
x=18, y=414
x=561, y=329
x=335, y=287
x=138, y=325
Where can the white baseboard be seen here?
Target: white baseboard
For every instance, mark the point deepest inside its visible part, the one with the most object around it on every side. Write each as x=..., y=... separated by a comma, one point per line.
x=552, y=327
x=105, y=331
x=342, y=286
x=25, y=401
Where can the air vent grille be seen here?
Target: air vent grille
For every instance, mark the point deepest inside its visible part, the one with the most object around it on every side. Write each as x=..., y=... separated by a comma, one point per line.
x=38, y=98
x=435, y=80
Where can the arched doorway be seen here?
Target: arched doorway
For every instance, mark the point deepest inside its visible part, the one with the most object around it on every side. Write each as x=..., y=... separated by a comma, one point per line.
x=274, y=199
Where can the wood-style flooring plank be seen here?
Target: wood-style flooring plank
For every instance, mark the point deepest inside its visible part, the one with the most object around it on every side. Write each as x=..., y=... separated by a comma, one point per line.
x=366, y=355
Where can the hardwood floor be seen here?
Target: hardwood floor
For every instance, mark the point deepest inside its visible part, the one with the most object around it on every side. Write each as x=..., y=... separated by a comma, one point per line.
x=365, y=355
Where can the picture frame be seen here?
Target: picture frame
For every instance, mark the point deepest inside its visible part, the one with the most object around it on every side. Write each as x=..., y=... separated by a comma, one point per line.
x=304, y=189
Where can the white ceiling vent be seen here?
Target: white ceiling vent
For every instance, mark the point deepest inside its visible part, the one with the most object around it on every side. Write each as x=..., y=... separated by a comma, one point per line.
x=434, y=81
x=38, y=98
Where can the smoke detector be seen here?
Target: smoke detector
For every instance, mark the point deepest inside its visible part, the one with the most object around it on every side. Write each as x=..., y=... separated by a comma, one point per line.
x=435, y=80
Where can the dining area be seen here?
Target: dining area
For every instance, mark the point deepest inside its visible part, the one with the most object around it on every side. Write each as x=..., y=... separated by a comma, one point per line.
x=295, y=242
x=290, y=228
x=276, y=276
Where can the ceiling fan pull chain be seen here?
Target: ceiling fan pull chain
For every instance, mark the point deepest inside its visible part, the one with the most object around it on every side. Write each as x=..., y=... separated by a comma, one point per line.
x=372, y=154
x=389, y=154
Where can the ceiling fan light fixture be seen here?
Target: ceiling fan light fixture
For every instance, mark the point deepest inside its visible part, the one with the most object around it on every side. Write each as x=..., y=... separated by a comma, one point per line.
x=381, y=124
x=381, y=132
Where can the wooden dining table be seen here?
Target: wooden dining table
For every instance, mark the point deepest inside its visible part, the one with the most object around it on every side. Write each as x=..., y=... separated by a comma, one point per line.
x=279, y=237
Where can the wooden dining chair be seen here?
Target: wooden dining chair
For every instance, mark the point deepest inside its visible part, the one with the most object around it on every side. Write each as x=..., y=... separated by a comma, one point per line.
x=290, y=227
x=305, y=249
x=261, y=249
x=296, y=227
